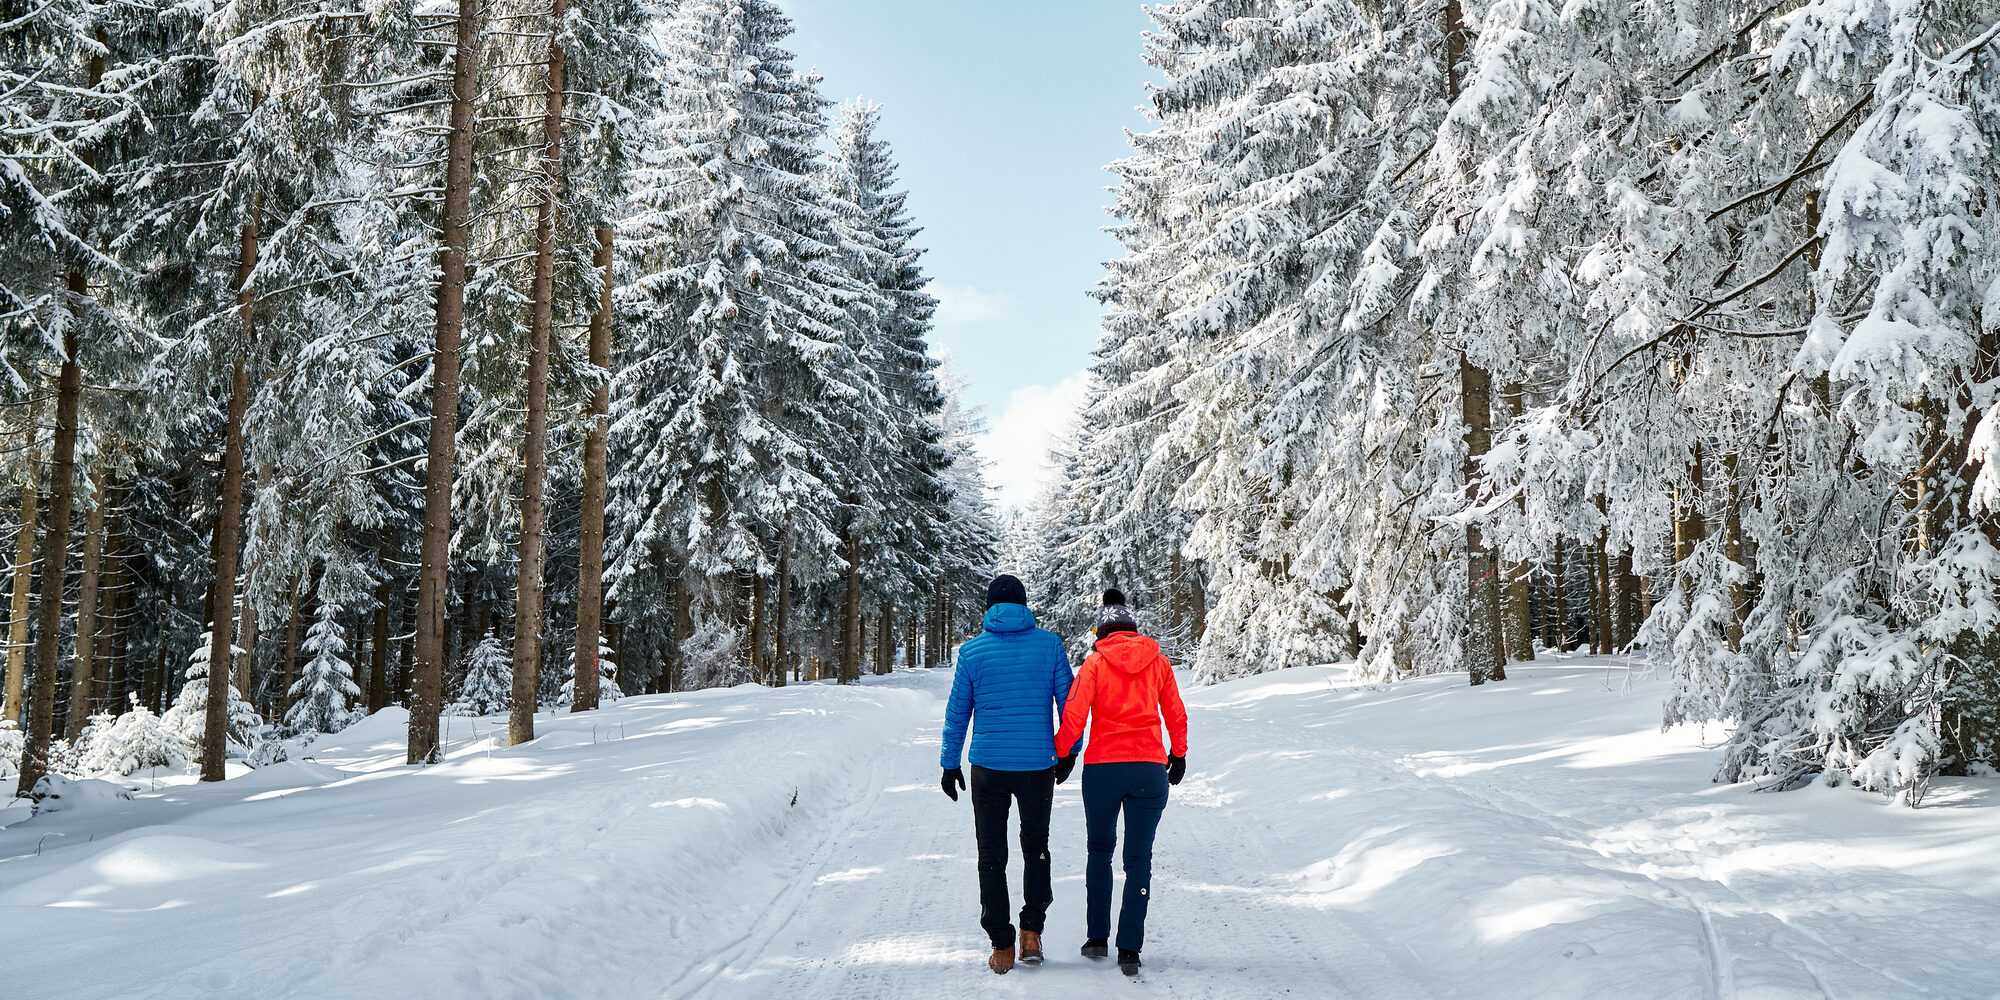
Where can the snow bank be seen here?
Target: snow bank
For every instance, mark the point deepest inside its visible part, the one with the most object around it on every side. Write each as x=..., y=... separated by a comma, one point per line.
x=581, y=864
x=55, y=794
x=1542, y=837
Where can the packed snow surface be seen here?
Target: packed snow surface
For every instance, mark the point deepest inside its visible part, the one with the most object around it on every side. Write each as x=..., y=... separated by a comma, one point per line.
x=1535, y=838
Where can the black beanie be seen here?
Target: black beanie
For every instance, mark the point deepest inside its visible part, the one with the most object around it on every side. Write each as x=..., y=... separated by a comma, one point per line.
x=1005, y=590
x=1114, y=616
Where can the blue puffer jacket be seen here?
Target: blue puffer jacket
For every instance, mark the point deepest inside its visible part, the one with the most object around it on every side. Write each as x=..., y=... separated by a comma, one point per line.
x=1011, y=683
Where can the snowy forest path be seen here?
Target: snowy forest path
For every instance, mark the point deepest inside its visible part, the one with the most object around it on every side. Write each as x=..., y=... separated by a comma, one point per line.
x=888, y=906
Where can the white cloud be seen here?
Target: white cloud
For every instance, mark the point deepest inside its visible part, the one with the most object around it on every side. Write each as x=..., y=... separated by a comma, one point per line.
x=1017, y=442
x=962, y=304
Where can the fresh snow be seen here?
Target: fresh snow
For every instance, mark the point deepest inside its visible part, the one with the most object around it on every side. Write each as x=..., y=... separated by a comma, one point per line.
x=1539, y=837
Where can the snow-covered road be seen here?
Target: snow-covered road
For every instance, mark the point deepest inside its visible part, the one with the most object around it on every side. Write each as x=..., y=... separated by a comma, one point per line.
x=1538, y=838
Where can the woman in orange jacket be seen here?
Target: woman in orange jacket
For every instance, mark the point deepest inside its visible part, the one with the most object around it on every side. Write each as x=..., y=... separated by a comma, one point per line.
x=1125, y=689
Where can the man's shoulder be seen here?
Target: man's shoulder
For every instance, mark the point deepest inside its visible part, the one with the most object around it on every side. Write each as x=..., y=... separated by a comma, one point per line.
x=1051, y=638
x=1014, y=642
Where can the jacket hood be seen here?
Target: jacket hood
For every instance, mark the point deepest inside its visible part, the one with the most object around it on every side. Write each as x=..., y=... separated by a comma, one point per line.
x=1128, y=652
x=1009, y=618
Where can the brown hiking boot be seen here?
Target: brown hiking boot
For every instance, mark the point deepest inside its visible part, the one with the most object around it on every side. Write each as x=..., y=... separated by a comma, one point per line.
x=1001, y=961
x=1031, y=948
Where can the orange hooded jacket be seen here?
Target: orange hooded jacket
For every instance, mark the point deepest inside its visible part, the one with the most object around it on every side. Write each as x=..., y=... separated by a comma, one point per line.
x=1125, y=688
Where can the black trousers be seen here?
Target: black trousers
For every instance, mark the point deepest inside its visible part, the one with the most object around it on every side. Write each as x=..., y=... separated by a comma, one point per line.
x=992, y=791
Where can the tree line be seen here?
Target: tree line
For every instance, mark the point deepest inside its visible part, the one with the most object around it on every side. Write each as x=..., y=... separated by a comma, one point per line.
x=573, y=345
x=1447, y=331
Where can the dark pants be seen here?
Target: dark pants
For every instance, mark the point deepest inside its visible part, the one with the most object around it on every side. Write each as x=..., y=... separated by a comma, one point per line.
x=1139, y=789
x=991, y=792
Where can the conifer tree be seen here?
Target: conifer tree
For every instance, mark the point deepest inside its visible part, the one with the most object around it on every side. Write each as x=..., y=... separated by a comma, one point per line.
x=489, y=680
x=320, y=697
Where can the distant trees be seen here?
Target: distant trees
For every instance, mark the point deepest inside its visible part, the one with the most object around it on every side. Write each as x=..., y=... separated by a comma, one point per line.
x=1665, y=327
x=778, y=450
x=338, y=338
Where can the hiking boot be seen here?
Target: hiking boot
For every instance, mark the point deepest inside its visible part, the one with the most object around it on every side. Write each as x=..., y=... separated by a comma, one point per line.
x=1001, y=961
x=1031, y=948
x=1095, y=948
x=1128, y=961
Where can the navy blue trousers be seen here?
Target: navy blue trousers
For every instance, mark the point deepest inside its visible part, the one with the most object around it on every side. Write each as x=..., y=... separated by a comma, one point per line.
x=1139, y=790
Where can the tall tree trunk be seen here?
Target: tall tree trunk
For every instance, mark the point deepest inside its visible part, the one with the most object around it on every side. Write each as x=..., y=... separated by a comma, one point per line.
x=910, y=643
x=779, y=630
x=55, y=550
x=1596, y=631
x=1601, y=564
x=405, y=650
x=590, y=537
x=378, y=654
x=934, y=636
x=885, y=639
x=84, y=669
x=1199, y=593
x=1555, y=631
x=24, y=568
x=948, y=637
x=850, y=616
x=683, y=628
x=1484, y=649
x=291, y=657
x=156, y=679
x=229, y=520
x=246, y=664
x=111, y=623
x=528, y=581
x=1485, y=655
x=433, y=583
x=1628, y=600
x=1520, y=618
x=55, y=537
x=760, y=665
x=1732, y=549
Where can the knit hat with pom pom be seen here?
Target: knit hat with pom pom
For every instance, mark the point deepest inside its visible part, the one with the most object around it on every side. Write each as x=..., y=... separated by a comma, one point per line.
x=1114, y=616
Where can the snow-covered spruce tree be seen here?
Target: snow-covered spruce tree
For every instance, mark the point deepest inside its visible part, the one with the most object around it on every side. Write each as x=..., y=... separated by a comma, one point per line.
x=259, y=189
x=68, y=108
x=1247, y=213
x=969, y=549
x=322, y=696
x=1890, y=672
x=617, y=65
x=741, y=368
x=12, y=741
x=133, y=741
x=188, y=718
x=893, y=315
x=605, y=41
x=489, y=679
x=607, y=680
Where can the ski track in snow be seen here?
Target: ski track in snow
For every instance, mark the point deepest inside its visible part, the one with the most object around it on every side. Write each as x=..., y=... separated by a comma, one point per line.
x=1536, y=838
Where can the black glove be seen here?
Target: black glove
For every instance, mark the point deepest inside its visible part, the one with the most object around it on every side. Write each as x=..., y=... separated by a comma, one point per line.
x=952, y=776
x=1064, y=765
x=1176, y=769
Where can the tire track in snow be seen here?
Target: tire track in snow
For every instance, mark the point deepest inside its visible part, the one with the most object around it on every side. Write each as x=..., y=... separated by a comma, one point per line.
x=774, y=916
x=1360, y=966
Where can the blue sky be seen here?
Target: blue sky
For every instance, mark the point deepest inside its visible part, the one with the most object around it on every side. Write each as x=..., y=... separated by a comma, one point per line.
x=1002, y=116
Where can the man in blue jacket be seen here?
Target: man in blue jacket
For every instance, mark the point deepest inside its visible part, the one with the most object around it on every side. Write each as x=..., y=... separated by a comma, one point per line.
x=1010, y=686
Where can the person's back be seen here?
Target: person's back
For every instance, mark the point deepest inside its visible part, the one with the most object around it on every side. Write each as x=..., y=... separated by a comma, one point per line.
x=1018, y=676
x=1130, y=683
x=1125, y=692
x=1010, y=683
